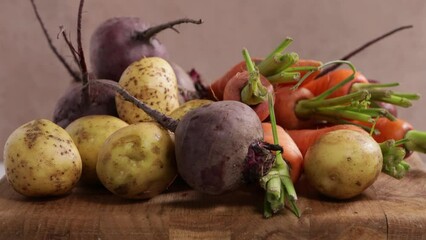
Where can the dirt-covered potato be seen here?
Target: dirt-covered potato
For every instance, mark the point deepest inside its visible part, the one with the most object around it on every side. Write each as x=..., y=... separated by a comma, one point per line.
x=153, y=81
x=343, y=163
x=137, y=161
x=41, y=159
x=89, y=134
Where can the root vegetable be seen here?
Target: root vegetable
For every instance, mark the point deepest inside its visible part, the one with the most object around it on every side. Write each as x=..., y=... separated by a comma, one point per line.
x=392, y=149
x=120, y=41
x=137, y=161
x=82, y=98
x=151, y=80
x=41, y=159
x=291, y=154
x=343, y=163
x=72, y=105
x=213, y=160
x=250, y=87
x=89, y=134
x=183, y=109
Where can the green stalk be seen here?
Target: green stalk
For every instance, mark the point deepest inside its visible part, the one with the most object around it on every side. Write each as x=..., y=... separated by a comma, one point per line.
x=385, y=95
x=354, y=106
x=277, y=182
x=322, y=67
x=253, y=92
x=393, y=158
x=416, y=141
x=274, y=59
x=284, y=77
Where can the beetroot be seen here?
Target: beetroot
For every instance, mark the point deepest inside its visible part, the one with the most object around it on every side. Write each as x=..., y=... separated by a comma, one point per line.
x=120, y=41
x=219, y=146
x=83, y=98
x=71, y=105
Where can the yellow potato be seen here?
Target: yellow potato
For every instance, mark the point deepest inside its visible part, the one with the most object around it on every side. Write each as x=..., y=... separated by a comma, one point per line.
x=137, y=161
x=89, y=134
x=153, y=81
x=343, y=163
x=41, y=159
x=179, y=112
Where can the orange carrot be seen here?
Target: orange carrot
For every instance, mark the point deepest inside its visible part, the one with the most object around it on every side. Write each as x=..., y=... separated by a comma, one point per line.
x=299, y=109
x=235, y=86
x=397, y=130
x=217, y=87
x=291, y=152
x=359, y=82
x=286, y=100
x=304, y=138
x=322, y=84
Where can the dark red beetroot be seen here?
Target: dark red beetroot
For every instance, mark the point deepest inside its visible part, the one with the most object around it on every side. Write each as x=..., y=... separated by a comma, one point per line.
x=83, y=98
x=218, y=146
x=120, y=41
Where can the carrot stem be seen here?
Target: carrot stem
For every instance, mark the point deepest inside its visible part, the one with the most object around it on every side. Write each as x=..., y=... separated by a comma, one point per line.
x=253, y=92
x=284, y=77
x=272, y=60
x=393, y=158
x=416, y=141
x=277, y=182
x=385, y=95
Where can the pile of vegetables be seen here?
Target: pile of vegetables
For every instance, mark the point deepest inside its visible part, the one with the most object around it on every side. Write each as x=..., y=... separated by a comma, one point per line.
x=130, y=127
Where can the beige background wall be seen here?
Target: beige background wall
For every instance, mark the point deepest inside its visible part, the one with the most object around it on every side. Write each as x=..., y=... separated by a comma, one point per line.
x=32, y=79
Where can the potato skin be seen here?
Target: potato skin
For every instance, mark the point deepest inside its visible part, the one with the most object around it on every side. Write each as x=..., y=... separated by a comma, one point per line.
x=137, y=161
x=152, y=81
x=41, y=159
x=343, y=163
x=212, y=143
x=183, y=109
x=89, y=134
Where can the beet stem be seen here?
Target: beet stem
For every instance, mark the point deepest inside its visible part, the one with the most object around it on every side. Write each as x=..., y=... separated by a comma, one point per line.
x=85, y=76
x=71, y=48
x=165, y=121
x=364, y=46
x=152, y=31
x=52, y=47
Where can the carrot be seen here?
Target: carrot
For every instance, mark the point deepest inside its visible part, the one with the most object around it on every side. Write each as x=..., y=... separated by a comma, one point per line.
x=291, y=153
x=320, y=85
x=298, y=108
x=217, y=87
x=393, y=154
x=274, y=62
x=358, y=83
x=398, y=130
x=233, y=91
x=250, y=88
x=301, y=67
x=286, y=100
x=304, y=138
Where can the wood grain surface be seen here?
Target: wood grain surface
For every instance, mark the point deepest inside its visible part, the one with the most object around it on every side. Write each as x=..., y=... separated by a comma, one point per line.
x=390, y=209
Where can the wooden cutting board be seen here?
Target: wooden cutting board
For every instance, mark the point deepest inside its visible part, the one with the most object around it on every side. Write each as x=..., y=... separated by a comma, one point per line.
x=390, y=209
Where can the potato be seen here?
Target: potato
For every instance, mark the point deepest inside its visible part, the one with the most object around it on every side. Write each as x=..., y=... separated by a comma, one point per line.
x=41, y=159
x=179, y=112
x=137, y=161
x=152, y=81
x=89, y=134
x=343, y=163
